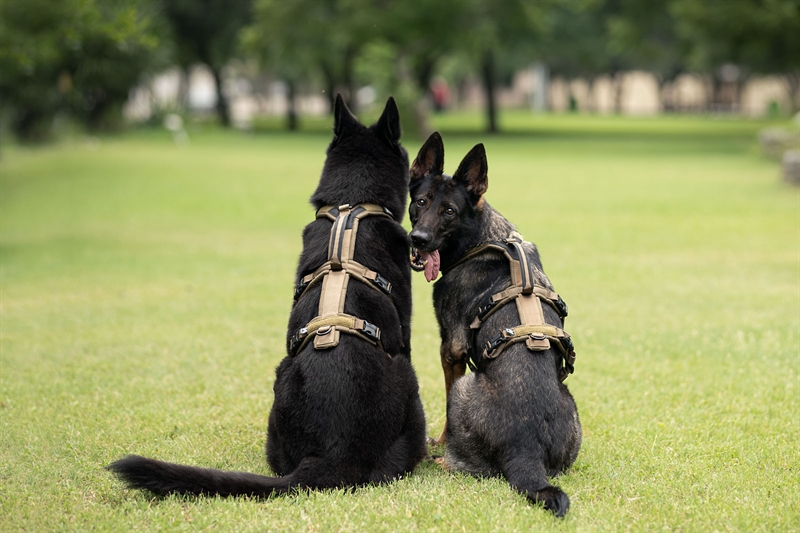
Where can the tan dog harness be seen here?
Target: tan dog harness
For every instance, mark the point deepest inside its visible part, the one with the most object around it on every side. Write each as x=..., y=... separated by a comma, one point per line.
x=335, y=275
x=533, y=330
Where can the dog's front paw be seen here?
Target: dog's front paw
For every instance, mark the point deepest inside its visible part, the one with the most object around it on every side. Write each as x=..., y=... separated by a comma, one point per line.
x=441, y=461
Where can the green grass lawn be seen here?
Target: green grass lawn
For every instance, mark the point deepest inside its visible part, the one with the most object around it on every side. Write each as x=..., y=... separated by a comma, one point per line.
x=145, y=289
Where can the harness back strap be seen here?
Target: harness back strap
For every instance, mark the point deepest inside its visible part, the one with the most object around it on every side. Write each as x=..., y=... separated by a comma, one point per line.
x=533, y=330
x=335, y=275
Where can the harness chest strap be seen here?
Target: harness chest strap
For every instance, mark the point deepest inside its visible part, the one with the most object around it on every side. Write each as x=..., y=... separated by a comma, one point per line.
x=335, y=274
x=537, y=334
x=329, y=328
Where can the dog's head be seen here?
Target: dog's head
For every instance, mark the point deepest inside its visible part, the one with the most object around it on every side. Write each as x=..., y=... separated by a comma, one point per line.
x=364, y=164
x=443, y=208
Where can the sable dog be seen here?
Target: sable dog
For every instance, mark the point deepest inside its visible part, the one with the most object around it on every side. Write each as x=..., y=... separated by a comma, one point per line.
x=512, y=415
x=347, y=410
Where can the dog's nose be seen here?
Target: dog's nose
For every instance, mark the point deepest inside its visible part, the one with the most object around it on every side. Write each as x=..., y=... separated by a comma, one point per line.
x=419, y=238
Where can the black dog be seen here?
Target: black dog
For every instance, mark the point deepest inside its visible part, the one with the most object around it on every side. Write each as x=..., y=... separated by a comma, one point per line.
x=347, y=410
x=512, y=415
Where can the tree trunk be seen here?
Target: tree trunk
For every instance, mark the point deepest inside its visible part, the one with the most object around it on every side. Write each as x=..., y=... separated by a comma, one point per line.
x=487, y=72
x=330, y=85
x=223, y=111
x=792, y=82
x=291, y=110
x=31, y=126
x=616, y=87
x=349, y=78
x=182, y=102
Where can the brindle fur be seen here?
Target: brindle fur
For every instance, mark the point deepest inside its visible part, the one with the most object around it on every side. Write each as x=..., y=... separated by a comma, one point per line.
x=512, y=416
x=348, y=415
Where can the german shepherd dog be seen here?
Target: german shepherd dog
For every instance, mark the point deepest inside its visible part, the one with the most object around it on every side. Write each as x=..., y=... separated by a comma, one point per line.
x=350, y=414
x=512, y=415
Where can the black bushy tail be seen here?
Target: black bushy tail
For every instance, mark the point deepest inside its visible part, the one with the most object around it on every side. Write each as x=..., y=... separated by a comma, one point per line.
x=531, y=481
x=165, y=478
x=553, y=498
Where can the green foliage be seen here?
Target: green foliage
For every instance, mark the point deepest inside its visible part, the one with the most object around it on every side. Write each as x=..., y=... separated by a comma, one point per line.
x=81, y=56
x=146, y=288
x=762, y=36
x=304, y=39
x=207, y=31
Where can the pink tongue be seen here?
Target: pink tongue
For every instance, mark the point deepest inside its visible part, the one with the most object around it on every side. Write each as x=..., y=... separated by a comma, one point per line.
x=432, y=265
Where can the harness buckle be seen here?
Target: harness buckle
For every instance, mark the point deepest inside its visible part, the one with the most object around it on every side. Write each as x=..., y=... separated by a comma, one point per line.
x=371, y=331
x=299, y=289
x=382, y=283
x=562, y=307
x=297, y=340
x=566, y=342
x=483, y=310
x=493, y=344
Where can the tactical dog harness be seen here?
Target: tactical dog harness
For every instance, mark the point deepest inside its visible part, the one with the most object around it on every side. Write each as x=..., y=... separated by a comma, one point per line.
x=335, y=274
x=533, y=330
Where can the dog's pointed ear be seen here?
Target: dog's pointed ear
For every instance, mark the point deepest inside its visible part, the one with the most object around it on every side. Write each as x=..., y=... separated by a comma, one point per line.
x=343, y=119
x=389, y=124
x=430, y=159
x=473, y=172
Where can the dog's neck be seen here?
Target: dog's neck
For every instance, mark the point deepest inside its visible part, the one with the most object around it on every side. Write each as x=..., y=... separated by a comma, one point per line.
x=487, y=225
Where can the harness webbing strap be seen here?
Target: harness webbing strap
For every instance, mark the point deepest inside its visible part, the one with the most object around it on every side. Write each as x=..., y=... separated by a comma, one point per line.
x=335, y=275
x=355, y=270
x=537, y=334
x=325, y=332
x=334, y=291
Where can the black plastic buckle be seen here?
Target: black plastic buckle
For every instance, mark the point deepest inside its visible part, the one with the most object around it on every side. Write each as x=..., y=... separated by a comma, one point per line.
x=383, y=284
x=493, y=344
x=299, y=289
x=562, y=307
x=371, y=331
x=297, y=340
x=566, y=342
x=483, y=310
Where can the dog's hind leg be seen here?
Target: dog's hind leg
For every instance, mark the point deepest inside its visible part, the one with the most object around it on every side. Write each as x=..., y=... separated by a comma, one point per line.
x=528, y=476
x=454, y=365
x=408, y=449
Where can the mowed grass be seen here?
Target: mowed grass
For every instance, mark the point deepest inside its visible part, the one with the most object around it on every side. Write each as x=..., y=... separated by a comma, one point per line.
x=145, y=290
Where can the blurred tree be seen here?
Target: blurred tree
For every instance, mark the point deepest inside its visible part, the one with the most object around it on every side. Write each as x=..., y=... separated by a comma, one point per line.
x=83, y=56
x=414, y=37
x=576, y=46
x=30, y=67
x=499, y=36
x=643, y=33
x=206, y=31
x=758, y=36
x=303, y=39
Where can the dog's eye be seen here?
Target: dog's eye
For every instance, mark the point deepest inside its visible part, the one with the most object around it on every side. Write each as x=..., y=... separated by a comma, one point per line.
x=421, y=202
x=449, y=211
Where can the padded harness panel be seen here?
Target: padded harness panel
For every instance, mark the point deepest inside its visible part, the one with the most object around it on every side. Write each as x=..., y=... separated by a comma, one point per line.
x=528, y=297
x=335, y=274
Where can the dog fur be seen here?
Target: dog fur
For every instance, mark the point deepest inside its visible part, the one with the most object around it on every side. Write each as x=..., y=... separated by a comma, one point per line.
x=349, y=415
x=512, y=416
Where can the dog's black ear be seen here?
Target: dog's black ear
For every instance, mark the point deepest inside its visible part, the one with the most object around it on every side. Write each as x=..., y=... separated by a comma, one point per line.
x=430, y=159
x=473, y=172
x=343, y=119
x=389, y=124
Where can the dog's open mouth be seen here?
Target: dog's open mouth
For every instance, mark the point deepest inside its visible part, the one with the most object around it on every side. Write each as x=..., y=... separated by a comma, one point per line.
x=427, y=262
